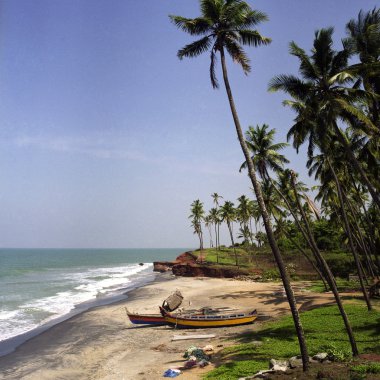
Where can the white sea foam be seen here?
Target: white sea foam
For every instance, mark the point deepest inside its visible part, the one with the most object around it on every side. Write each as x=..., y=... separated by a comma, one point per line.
x=79, y=286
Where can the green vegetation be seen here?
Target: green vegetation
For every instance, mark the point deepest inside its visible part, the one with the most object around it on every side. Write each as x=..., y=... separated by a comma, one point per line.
x=324, y=332
x=335, y=98
x=364, y=369
x=342, y=285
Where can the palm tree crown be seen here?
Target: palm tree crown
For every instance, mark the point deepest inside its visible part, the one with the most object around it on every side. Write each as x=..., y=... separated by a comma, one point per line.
x=265, y=153
x=223, y=24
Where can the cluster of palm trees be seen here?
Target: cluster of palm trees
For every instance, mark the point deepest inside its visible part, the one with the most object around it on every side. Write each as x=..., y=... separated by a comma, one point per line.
x=337, y=106
x=244, y=214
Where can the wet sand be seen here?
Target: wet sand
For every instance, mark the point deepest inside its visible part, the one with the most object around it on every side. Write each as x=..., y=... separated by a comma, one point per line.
x=102, y=343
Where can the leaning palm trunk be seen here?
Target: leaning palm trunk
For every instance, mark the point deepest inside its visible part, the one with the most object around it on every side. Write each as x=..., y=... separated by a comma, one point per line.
x=349, y=235
x=311, y=262
x=267, y=224
x=303, y=232
x=329, y=276
x=361, y=241
x=357, y=166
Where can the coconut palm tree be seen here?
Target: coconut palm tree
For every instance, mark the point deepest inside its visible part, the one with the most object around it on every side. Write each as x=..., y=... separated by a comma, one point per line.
x=326, y=172
x=325, y=268
x=364, y=40
x=208, y=224
x=320, y=99
x=243, y=216
x=197, y=216
x=228, y=215
x=215, y=199
x=224, y=26
x=265, y=152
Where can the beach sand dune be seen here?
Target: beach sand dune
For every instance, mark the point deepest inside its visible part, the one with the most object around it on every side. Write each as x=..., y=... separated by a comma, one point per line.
x=102, y=344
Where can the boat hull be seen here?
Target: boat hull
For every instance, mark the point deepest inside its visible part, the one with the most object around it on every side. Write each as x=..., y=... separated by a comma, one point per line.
x=146, y=319
x=206, y=321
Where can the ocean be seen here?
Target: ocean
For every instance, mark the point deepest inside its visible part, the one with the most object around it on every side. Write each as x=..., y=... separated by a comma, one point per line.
x=40, y=287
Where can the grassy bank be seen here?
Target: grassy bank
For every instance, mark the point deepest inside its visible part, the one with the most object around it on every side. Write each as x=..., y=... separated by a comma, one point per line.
x=341, y=263
x=324, y=331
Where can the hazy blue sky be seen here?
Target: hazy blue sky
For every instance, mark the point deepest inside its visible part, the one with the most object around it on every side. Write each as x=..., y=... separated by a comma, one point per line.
x=106, y=137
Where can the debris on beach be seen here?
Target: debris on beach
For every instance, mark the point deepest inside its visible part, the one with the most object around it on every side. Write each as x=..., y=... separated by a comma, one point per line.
x=171, y=372
x=196, y=356
x=188, y=337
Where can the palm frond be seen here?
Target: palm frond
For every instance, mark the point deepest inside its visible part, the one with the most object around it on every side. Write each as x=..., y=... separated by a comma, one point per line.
x=195, y=48
x=252, y=38
x=307, y=69
x=290, y=84
x=238, y=55
x=196, y=26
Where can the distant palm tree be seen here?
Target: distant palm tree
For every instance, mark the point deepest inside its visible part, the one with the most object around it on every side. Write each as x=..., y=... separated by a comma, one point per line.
x=265, y=152
x=215, y=198
x=208, y=224
x=196, y=216
x=243, y=214
x=225, y=25
x=228, y=215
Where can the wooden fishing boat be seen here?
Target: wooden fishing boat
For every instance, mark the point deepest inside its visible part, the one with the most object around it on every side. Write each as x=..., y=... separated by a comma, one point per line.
x=208, y=320
x=170, y=304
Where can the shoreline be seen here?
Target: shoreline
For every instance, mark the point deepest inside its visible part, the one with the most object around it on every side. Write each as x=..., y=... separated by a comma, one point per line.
x=9, y=345
x=101, y=343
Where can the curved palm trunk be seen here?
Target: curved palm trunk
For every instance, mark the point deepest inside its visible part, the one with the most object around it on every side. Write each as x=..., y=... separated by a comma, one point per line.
x=303, y=232
x=349, y=235
x=311, y=262
x=267, y=224
x=360, y=239
x=329, y=276
x=367, y=224
x=357, y=165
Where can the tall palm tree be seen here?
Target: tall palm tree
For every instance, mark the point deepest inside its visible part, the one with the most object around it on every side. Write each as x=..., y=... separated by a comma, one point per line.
x=215, y=199
x=325, y=171
x=364, y=40
x=228, y=215
x=225, y=25
x=320, y=99
x=243, y=215
x=196, y=216
x=208, y=224
x=325, y=268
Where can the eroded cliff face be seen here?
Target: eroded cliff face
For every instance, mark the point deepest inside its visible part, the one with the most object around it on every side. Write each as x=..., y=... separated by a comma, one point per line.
x=184, y=258
x=186, y=265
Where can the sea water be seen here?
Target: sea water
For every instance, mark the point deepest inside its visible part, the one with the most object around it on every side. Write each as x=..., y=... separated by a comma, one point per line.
x=41, y=286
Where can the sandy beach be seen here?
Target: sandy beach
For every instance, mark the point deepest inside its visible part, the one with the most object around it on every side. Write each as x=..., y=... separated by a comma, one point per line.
x=102, y=343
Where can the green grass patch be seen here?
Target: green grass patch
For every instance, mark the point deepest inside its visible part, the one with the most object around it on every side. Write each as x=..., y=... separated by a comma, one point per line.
x=323, y=328
x=364, y=369
x=342, y=284
x=226, y=256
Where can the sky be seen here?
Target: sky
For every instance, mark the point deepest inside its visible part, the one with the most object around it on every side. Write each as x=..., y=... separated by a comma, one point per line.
x=106, y=137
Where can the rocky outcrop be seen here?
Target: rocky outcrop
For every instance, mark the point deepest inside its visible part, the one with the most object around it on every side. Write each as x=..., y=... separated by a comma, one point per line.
x=186, y=265
x=184, y=258
x=203, y=270
x=162, y=266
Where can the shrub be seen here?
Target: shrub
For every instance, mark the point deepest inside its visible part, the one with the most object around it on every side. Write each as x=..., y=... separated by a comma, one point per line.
x=335, y=354
x=271, y=274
